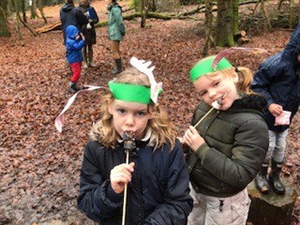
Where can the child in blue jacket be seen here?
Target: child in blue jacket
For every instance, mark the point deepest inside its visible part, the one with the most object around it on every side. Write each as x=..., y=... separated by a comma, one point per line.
x=278, y=80
x=74, y=43
x=156, y=174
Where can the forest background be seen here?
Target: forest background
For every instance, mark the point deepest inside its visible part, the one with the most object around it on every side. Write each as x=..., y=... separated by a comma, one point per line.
x=39, y=167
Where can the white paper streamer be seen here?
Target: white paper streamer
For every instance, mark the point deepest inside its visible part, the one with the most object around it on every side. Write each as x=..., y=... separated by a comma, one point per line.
x=59, y=121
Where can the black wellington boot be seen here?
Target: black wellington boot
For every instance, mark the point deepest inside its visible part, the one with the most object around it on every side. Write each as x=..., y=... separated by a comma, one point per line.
x=274, y=180
x=73, y=88
x=261, y=181
x=118, y=68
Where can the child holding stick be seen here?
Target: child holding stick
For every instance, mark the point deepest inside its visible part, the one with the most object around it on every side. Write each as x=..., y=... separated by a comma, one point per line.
x=156, y=175
x=229, y=145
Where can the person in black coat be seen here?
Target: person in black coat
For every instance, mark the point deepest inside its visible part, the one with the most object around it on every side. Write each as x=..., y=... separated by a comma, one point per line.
x=89, y=32
x=70, y=15
x=277, y=79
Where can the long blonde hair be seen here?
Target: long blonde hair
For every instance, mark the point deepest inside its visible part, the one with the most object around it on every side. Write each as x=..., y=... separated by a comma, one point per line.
x=162, y=128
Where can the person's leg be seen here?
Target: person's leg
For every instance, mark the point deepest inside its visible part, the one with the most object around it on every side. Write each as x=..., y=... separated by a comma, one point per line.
x=76, y=70
x=277, y=162
x=261, y=180
x=85, y=62
x=231, y=210
x=115, y=50
x=91, y=55
x=197, y=216
x=279, y=150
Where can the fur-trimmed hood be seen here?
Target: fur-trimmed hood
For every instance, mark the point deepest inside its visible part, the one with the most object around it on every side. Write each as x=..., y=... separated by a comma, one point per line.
x=252, y=101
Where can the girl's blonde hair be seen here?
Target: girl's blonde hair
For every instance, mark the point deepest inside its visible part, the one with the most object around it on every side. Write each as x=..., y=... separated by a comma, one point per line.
x=245, y=76
x=162, y=128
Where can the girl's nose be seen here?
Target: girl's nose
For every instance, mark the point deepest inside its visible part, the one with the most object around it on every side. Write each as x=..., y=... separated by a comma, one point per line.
x=129, y=120
x=212, y=93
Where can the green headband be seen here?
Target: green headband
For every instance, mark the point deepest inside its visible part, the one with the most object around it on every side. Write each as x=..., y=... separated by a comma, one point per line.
x=130, y=92
x=204, y=66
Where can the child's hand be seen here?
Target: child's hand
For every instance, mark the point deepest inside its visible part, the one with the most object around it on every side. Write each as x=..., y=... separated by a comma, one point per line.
x=82, y=36
x=275, y=109
x=181, y=140
x=193, y=139
x=121, y=175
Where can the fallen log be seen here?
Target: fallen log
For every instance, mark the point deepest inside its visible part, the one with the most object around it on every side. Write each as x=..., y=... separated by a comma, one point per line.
x=272, y=209
x=50, y=27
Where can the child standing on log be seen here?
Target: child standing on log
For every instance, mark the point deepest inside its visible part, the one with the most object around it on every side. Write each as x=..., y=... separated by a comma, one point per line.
x=227, y=148
x=278, y=80
x=157, y=175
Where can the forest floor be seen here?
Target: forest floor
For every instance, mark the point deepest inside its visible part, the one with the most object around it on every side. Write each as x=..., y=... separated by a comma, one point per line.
x=39, y=169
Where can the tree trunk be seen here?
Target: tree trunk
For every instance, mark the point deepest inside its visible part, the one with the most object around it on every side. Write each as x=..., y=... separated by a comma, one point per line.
x=143, y=14
x=224, y=32
x=235, y=16
x=209, y=42
x=272, y=209
x=41, y=9
x=24, y=11
x=4, y=29
x=15, y=2
x=33, y=10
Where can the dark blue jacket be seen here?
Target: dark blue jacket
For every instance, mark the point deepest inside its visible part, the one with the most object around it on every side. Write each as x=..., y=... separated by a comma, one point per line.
x=158, y=193
x=277, y=79
x=73, y=46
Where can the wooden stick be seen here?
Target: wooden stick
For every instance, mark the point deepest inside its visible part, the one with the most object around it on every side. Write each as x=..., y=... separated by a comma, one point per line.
x=212, y=108
x=125, y=192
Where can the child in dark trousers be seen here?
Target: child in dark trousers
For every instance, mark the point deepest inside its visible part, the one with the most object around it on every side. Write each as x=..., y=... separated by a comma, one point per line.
x=74, y=43
x=89, y=32
x=156, y=175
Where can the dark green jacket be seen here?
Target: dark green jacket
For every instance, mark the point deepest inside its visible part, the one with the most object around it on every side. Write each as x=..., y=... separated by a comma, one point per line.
x=236, y=145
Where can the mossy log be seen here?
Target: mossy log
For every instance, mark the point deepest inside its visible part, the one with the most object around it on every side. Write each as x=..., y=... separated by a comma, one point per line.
x=272, y=209
x=150, y=15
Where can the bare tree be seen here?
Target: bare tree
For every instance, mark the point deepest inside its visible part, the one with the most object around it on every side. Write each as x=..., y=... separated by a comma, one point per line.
x=4, y=29
x=224, y=31
x=41, y=9
x=33, y=10
x=209, y=41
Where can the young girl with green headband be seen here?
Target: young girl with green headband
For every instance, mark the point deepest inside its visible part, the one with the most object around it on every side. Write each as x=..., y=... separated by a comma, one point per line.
x=227, y=149
x=156, y=176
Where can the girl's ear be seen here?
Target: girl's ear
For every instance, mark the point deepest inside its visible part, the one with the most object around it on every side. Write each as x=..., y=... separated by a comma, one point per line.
x=110, y=109
x=150, y=116
x=235, y=77
x=150, y=112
